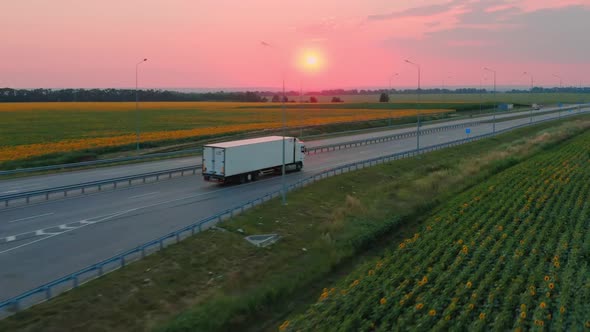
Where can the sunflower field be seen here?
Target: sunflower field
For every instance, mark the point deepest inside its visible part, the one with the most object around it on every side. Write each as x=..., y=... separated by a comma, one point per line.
x=512, y=253
x=30, y=130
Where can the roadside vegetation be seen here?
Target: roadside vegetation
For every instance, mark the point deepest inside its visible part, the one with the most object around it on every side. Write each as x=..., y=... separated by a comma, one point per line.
x=218, y=281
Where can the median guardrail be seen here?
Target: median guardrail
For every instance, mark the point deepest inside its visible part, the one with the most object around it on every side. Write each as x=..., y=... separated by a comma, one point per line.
x=101, y=162
x=83, y=188
x=86, y=188
x=73, y=280
x=381, y=139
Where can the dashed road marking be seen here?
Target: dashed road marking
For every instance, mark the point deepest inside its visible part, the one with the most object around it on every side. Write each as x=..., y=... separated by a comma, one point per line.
x=10, y=192
x=65, y=227
x=49, y=232
x=55, y=230
x=33, y=217
x=144, y=195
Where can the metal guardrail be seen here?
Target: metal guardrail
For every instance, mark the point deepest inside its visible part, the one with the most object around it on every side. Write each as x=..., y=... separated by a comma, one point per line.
x=83, y=188
x=70, y=281
x=506, y=114
x=344, y=145
x=99, y=162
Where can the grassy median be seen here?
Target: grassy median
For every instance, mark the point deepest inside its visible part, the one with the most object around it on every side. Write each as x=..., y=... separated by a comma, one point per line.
x=218, y=281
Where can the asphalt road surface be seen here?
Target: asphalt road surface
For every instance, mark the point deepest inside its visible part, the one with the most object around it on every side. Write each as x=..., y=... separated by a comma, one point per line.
x=45, y=241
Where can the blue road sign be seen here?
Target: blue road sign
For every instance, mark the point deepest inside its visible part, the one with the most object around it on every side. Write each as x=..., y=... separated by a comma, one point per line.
x=468, y=131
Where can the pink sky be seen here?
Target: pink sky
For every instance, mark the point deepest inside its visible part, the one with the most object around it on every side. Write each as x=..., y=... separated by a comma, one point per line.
x=217, y=43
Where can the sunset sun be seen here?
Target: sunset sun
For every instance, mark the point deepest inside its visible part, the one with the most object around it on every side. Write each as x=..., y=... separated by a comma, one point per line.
x=310, y=61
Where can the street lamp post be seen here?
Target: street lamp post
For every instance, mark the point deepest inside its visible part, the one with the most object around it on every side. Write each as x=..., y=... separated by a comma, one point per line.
x=284, y=191
x=417, y=104
x=300, y=113
x=495, y=100
x=443, y=88
x=137, y=104
x=480, y=94
x=390, y=91
x=532, y=83
x=581, y=91
x=284, y=120
x=480, y=98
x=559, y=92
x=583, y=99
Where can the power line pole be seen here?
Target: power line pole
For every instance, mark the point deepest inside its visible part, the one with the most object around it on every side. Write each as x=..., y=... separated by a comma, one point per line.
x=137, y=119
x=495, y=100
x=417, y=105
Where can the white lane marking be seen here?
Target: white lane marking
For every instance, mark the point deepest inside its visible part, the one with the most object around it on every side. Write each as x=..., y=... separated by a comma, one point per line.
x=64, y=226
x=9, y=192
x=105, y=217
x=143, y=195
x=50, y=235
x=23, y=185
x=83, y=222
x=90, y=221
x=29, y=243
x=33, y=217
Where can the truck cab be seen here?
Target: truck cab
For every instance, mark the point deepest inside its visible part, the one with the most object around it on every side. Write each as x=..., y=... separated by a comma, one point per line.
x=302, y=149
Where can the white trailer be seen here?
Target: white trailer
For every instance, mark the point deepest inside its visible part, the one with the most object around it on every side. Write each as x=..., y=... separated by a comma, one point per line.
x=245, y=160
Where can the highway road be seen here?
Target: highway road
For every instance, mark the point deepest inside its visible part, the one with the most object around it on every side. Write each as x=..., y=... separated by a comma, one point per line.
x=42, y=242
x=18, y=185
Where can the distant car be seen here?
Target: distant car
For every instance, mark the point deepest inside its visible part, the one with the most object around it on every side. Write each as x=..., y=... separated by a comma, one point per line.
x=537, y=107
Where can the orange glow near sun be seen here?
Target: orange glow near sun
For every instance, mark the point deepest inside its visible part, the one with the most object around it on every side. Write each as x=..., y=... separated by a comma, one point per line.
x=310, y=61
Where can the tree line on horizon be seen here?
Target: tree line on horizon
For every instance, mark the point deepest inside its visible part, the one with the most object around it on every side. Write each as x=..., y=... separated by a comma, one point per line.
x=128, y=95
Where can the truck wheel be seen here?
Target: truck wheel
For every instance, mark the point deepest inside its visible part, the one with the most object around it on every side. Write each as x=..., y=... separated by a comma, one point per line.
x=299, y=167
x=242, y=179
x=254, y=176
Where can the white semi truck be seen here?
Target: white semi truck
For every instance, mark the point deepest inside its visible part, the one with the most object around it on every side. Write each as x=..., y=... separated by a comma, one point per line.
x=245, y=160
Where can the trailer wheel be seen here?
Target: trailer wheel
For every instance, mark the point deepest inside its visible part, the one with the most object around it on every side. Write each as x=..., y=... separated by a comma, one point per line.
x=254, y=176
x=299, y=167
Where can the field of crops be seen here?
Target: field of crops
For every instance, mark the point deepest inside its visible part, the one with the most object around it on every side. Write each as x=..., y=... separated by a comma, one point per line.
x=512, y=253
x=34, y=129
